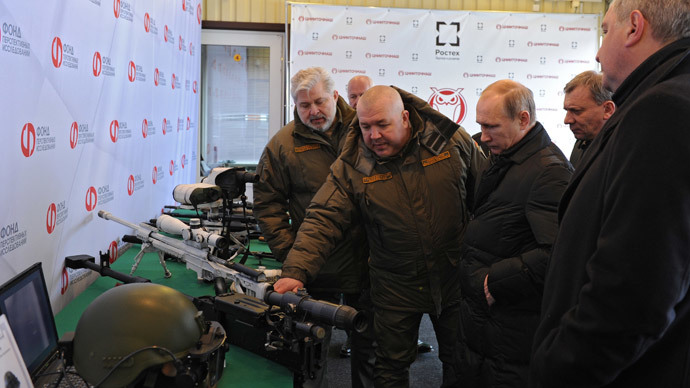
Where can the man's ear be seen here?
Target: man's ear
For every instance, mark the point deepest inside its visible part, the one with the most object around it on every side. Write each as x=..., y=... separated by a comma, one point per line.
x=335, y=95
x=609, y=108
x=636, y=28
x=524, y=120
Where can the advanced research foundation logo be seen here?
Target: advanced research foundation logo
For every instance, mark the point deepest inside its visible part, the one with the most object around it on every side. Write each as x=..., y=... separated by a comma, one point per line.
x=449, y=102
x=36, y=139
x=91, y=199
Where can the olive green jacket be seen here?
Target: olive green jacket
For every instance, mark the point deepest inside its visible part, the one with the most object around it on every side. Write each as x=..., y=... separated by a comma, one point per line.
x=412, y=205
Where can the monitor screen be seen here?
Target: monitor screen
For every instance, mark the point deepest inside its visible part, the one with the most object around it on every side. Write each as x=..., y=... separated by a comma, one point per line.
x=24, y=301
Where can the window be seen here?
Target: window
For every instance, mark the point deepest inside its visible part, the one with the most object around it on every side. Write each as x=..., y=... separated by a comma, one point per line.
x=241, y=95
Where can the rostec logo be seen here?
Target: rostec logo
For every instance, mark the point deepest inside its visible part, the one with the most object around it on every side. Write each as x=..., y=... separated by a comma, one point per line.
x=97, y=64
x=64, y=279
x=188, y=123
x=198, y=13
x=155, y=174
x=194, y=87
x=173, y=81
x=180, y=43
x=28, y=139
x=112, y=252
x=56, y=52
x=172, y=167
x=165, y=33
x=144, y=128
x=450, y=33
x=114, y=127
x=147, y=22
x=91, y=199
x=449, y=102
x=155, y=77
x=51, y=218
x=73, y=135
x=131, y=71
x=183, y=160
x=130, y=185
x=184, y=5
x=116, y=8
x=301, y=18
x=165, y=125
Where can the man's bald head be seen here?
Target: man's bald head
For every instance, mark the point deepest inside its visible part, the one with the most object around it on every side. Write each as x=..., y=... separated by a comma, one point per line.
x=356, y=87
x=384, y=96
x=384, y=122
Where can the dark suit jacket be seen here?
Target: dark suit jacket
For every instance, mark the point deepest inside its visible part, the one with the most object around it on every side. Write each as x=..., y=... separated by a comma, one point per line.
x=616, y=308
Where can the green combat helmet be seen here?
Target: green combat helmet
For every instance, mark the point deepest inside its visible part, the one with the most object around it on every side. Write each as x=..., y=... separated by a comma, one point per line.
x=134, y=327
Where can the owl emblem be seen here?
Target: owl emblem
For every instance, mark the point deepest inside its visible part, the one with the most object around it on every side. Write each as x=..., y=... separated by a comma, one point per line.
x=449, y=102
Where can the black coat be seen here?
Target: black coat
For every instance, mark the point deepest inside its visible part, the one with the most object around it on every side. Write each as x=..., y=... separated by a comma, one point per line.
x=616, y=309
x=509, y=237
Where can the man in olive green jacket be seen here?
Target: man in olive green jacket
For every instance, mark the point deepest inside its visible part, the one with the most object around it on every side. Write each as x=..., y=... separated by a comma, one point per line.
x=293, y=166
x=405, y=173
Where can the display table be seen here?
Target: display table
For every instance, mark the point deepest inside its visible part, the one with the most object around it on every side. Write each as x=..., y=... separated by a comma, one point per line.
x=243, y=368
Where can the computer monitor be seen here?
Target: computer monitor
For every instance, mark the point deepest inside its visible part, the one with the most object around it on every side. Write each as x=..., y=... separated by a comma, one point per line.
x=25, y=302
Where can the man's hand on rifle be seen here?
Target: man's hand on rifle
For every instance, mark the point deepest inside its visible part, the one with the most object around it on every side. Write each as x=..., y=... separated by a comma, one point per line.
x=284, y=285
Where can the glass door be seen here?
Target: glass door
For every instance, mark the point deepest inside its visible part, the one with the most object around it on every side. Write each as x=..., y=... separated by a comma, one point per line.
x=242, y=87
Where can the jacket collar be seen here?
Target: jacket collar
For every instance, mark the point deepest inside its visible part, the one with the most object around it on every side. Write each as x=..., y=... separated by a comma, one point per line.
x=526, y=147
x=652, y=71
x=430, y=129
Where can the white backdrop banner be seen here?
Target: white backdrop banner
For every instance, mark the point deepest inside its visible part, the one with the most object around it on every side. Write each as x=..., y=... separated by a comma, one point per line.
x=448, y=57
x=100, y=112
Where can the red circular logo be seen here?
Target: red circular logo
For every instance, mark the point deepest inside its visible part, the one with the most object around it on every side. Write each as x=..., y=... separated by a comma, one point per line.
x=184, y=5
x=114, y=127
x=449, y=102
x=147, y=21
x=165, y=35
x=51, y=218
x=112, y=252
x=155, y=77
x=73, y=135
x=97, y=65
x=131, y=71
x=155, y=174
x=172, y=166
x=91, y=199
x=28, y=139
x=65, y=281
x=130, y=185
x=56, y=52
x=188, y=122
x=194, y=87
x=191, y=49
x=173, y=81
x=165, y=124
x=179, y=43
x=144, y=128
x=198, y=13
x=183, y=160
x=116, y=8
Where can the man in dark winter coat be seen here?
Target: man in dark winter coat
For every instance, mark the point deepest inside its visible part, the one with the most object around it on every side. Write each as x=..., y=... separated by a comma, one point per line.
x=293, y=166
x=616, y=310
x=508, y=240
x=587, y=107
x=405, y=174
